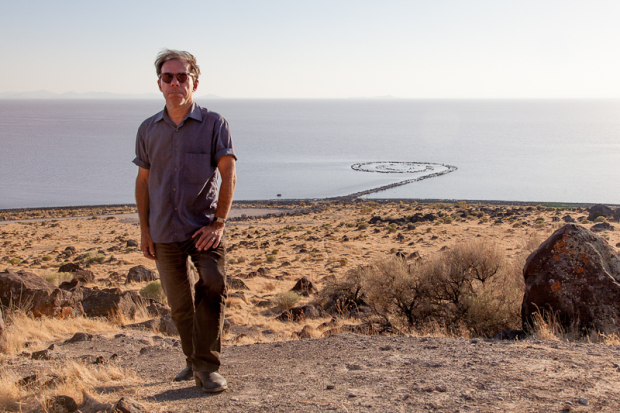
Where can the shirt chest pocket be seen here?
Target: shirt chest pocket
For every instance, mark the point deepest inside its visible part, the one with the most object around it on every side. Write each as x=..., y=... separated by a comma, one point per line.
x=197, y=168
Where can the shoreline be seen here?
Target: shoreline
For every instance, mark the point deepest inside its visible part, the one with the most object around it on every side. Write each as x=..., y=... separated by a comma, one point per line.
x=341, y=199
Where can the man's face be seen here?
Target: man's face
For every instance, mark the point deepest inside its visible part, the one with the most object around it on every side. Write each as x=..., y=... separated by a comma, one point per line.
x=176, y=93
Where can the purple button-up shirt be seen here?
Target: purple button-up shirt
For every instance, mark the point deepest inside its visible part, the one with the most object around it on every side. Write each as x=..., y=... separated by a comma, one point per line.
x=182, y=162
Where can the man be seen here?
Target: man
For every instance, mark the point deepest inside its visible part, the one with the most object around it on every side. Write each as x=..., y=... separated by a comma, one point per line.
x=179, y=152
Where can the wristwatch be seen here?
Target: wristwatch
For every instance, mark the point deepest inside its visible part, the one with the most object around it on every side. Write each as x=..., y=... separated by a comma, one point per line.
x=220, y=220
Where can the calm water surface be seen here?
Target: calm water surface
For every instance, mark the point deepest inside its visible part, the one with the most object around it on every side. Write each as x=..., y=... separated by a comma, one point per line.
x=58, y=153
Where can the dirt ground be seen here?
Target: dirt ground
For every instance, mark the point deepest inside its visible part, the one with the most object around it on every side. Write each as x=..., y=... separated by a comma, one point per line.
x=355, y=373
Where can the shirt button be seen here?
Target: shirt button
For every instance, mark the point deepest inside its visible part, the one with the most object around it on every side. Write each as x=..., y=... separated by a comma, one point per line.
x=175, y=169
x=174, y=189
x=175, y=209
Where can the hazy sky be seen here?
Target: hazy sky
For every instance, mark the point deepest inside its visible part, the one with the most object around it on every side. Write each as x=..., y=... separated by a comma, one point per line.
x=319, y=49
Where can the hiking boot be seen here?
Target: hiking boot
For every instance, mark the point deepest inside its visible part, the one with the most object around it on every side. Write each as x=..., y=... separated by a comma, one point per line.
x=186, y=374
x=210, y=381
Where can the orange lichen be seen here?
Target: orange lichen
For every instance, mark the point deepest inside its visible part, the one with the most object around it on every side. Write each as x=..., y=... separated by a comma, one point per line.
x=556, y=287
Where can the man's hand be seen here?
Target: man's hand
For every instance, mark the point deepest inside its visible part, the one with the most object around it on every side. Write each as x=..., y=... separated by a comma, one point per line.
x=146, y=245
x=209, y=236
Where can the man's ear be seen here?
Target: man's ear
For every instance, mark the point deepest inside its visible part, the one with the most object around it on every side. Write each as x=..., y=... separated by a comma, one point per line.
x=159, y=85
x=195, y=85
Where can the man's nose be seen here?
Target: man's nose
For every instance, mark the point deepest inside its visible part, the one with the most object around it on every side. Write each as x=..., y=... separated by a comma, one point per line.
x=175, y=81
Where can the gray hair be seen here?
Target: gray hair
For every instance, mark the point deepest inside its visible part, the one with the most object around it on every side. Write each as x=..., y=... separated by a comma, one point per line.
x=183, y=56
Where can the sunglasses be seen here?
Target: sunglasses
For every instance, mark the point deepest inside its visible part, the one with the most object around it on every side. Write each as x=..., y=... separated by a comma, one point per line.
x=181, y=77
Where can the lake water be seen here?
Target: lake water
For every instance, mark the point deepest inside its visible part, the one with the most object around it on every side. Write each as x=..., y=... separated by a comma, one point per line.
x=79, y=152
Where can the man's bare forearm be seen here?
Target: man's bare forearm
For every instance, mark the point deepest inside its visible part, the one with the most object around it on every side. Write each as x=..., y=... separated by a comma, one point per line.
x=227, y=188
x=142, y=202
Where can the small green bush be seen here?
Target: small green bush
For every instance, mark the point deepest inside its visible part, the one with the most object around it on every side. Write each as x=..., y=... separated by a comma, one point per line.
x=286, y=300
x=600, y=219
x=47, y=258
x=271, y=258
x=15, y=261
x=343, y=261
x=275, y=251
x=153, y=290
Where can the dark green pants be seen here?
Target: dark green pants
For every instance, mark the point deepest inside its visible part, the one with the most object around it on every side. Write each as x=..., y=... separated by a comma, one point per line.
x=199, y=320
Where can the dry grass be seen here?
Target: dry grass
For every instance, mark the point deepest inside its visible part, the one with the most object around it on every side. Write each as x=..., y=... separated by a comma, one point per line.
x=76, y=380
x=22, y=328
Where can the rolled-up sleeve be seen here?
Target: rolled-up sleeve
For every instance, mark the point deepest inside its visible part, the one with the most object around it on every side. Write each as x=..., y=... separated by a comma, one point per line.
x=222, y=141
x=142, y=158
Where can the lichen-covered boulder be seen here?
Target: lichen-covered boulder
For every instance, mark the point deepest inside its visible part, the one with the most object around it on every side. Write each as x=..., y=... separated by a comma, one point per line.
x=575, y=276
x=32, y=293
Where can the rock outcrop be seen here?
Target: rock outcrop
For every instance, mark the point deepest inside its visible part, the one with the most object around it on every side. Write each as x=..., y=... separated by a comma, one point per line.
x=78, y=272
x=600, y=210
x=304, y=285
x=33, y=293
x=110, y=302
x=575, y=276
x=141, y=274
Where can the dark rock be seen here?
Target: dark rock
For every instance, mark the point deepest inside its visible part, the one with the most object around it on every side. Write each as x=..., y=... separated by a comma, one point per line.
x=69, y=267
x=603, y=226
x=157, y=309
x=238, y=294
x=236, y=284
x=33, y=293
x=574, y=275
x=401, y=255
x=132, y=243
x=62, y=403
x=1, y=326
x=69, y=285
x=510, y=335
x=302, y=313
x=304, y=284
x=127, y=405
x=599, y=210
x=108, y=302
x=163, y=325
x=77, y=337
x=141, y=274
x=78, y=272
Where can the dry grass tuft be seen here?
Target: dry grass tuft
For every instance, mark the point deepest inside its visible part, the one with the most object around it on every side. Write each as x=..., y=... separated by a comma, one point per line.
x=72, y=379
x=22, y=328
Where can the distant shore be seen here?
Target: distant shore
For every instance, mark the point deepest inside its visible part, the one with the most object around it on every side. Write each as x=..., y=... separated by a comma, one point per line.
x=248, y=208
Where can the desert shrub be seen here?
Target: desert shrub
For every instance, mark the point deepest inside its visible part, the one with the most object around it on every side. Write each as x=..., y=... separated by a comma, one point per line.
x=362, y=226
x=46, y=258
x=275, y=251
x=58, y=278
x=343, y=296
x=231, y=261
x=271, y=258
x=90, y=257
x=240, y=260
x=15, y=261
x=469, y=286
x=153, y=290
x=286, y=300
x=600, y=219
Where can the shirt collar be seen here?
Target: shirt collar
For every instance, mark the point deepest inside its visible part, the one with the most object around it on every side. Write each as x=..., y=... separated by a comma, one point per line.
x=194, y=113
